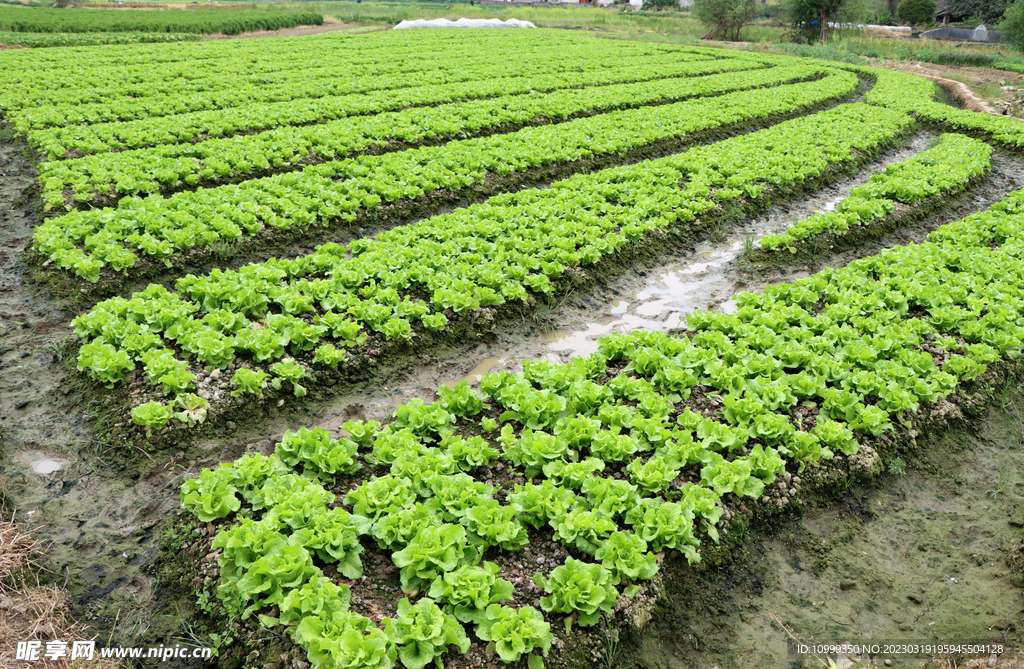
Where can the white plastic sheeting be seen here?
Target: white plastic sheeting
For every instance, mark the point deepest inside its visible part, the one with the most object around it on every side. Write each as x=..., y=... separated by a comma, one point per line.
x=464, y=23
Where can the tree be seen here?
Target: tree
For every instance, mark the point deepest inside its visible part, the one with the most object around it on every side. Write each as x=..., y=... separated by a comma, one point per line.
x=916, y=12
x=986, y=11
x=1012, y=25
x=724, y=18
x=811, y=18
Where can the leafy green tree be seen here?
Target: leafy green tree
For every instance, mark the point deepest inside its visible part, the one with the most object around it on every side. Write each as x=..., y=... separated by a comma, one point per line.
x=724, y=18
x=811, y=18
x=916, y=12
x=1012, y=25
x=986, y=11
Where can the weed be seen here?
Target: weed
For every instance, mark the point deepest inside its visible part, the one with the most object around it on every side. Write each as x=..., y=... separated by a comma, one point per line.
x=610, y=659
x=748, y=244
x=222, y=249
x=994, y=493
x=897, y=467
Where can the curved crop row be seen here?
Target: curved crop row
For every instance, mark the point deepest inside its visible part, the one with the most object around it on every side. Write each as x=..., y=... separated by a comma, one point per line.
x=943, y=170
x=626, y=453
x=309, y=57
x=161, y=228
x=93, y=39
x=916, y=95
x=491, y=79
x=186, y=128
x=181, y=166
x=423, y=274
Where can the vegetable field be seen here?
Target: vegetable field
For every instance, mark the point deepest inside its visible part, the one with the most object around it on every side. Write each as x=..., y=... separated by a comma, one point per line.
x=201, y=21
x=239, y=226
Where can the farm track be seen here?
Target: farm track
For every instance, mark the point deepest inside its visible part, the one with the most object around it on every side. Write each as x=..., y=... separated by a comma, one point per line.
x=101, y=509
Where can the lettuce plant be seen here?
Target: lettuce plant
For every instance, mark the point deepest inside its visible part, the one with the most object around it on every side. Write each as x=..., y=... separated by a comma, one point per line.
x=242, y=545
x=460, y=400
x=318, y=452
x=469, y=590
x=835, y=436
x=290, y=371
x=583, y=529
x=704, y=503
x=421, y=467
x=493, y=524
x=379, y=496
x=345, y=641
x=735, y=476
x=424, y=420
x=610, y=497
x=267, y=580
x=295, y=501
x=284, y=488
x=360, y=432
x=512, y=633
x=456, y=494
x=579, y=589
x=535, y=409
x=390, y=443
x=394, y=531
x=212, y=495
x=665, y=525
x=573, y=474
x=333, y=536
x=152, y=416
x=532, y=450
x=422, y=632
x=317, y=598
x=248, y=382
x=105, y=363
x=611, y=446
x=653, y=476
x=469, y=454
x=433, y=551
x=536, y=504
x=193, y=408
x=625, y=555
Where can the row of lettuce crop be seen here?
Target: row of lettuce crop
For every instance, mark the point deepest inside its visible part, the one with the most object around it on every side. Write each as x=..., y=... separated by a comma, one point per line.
x=87, y=241
x=941, y=171
x=61, y=79
x=326, y=94
x=240, y=157
x=42, y=40
x=619, y=462
x=414, y=278
x=915, y=95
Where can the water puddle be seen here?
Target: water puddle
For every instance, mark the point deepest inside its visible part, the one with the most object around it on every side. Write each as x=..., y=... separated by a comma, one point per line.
x=42, y=463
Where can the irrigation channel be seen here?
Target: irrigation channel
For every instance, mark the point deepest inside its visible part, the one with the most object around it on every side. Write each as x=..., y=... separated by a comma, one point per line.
x=927, y=552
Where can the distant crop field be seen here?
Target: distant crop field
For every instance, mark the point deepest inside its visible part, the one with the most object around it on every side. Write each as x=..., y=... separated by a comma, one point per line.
x=196, y=21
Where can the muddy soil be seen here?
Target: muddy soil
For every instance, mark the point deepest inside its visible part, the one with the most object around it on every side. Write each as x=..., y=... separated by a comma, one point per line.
x=101, y=508
x=919, y=557
x=94, y=509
